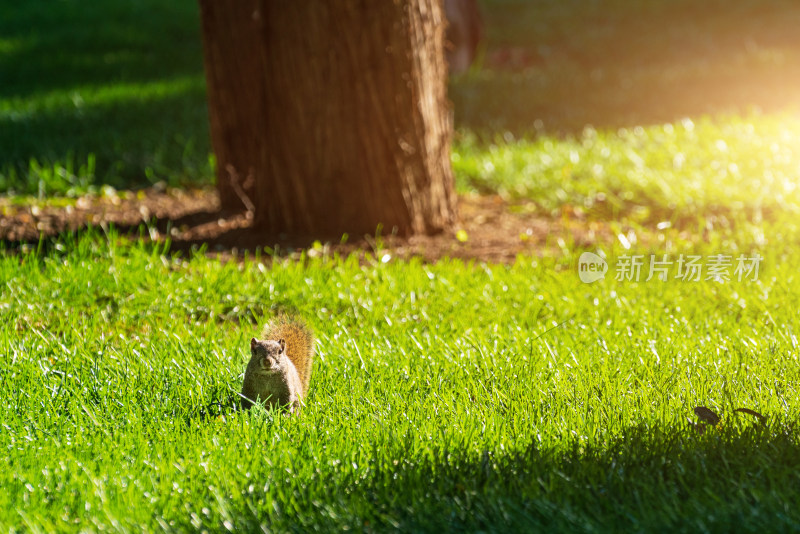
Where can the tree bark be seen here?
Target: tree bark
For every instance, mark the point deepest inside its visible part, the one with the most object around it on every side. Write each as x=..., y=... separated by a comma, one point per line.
x=336, y=110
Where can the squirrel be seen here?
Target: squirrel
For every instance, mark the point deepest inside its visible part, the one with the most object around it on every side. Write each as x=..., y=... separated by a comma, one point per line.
x=280, y=365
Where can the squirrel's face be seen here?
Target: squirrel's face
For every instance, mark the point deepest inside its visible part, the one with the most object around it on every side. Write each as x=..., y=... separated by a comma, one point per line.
x=267, y=354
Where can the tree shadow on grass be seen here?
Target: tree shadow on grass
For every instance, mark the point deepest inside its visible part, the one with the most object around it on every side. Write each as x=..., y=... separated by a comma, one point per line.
x=122, y=81
x=54, y=46
x=649, y=479
x=129, y=148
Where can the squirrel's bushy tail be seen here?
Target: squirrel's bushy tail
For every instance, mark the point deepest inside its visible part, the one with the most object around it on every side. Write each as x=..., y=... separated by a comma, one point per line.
x=299, y=344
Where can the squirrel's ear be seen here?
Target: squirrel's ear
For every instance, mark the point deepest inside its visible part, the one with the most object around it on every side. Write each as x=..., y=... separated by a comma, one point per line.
x=253, y=343
x=283, y=345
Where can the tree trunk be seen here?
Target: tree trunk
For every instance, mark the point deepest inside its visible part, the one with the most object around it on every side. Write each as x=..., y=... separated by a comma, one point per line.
x=336, y=109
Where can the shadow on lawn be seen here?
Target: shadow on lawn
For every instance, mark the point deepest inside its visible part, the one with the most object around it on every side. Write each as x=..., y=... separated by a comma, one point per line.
x=654, y=479
x=122, y=81
x=55, y=46
x=650, y=479
x=129, y=147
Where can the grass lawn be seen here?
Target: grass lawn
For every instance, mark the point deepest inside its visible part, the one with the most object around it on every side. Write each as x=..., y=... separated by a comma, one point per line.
x=113, y=95
x=446, y=396
x=449, y=395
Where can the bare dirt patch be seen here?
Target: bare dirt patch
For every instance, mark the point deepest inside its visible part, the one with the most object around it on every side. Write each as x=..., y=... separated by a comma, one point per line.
x=490, y=228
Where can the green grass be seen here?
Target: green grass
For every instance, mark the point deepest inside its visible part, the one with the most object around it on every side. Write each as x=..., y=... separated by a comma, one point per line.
x=742, y=168
x=444, y=396
x=647, y=111
x=460, y=396
x=113, y=95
